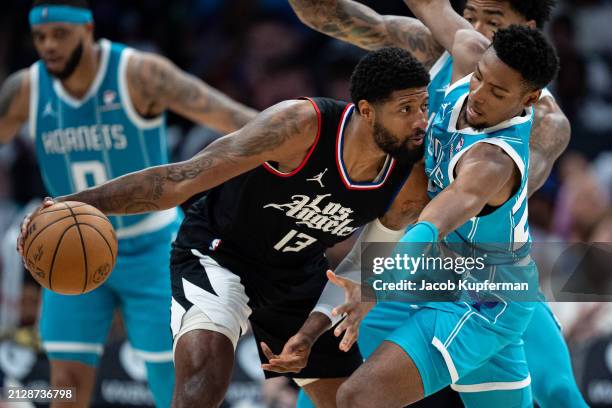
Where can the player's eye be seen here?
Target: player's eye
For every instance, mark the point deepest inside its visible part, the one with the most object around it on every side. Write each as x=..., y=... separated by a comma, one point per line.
x=60, y=34
x=405, y=109
x=494, y=24
x=497, y=95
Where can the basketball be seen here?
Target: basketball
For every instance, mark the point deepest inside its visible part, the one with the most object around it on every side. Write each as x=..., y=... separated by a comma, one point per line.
x=71, y=248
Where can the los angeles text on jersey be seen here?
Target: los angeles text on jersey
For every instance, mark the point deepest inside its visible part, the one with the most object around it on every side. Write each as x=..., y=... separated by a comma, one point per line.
x=99, y=137
x=314, y=213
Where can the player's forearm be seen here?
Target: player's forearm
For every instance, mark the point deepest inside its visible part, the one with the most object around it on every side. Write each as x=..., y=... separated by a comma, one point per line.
x=549, y=139
x=161, y=187
x=315, y=325
x=358, y=24
x=345, y=20
x=153, y=189
x=440, y=18
x=451, y=209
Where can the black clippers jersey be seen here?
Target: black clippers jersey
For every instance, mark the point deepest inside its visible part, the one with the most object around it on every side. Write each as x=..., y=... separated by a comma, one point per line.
x=287, y=220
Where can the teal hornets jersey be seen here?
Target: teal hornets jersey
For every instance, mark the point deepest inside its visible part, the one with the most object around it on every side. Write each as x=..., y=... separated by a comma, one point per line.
x=505, y=230
x=85, y=142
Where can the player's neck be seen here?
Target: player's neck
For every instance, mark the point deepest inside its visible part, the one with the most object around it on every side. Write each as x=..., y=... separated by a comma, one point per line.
x=85, y=73
x=361, y=155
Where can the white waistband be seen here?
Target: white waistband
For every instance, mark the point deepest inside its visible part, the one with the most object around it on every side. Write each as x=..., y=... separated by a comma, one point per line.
x=153, y=222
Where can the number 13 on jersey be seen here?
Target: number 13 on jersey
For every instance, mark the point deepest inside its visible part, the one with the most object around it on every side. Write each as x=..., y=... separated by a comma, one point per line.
x=294, y=242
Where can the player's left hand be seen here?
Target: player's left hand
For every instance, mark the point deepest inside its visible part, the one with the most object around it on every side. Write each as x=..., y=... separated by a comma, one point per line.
x=292, y=359
x=354, y=308
x=47, y=202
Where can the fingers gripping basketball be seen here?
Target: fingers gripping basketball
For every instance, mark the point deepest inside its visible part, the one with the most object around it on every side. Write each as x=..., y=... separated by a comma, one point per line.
x=70, y=248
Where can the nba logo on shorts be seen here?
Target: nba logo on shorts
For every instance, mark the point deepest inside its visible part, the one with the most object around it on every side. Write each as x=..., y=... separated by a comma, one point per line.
x=214, y=244
x=45, y=13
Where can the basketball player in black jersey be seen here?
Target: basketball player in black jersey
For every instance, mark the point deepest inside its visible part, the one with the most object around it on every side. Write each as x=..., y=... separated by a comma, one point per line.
x=301, y=177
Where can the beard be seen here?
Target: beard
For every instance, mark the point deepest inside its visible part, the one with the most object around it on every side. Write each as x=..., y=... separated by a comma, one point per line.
x=71, y=65
x=394, y=147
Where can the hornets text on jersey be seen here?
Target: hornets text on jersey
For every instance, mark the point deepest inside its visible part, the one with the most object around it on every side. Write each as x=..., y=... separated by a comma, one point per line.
x=85, y=142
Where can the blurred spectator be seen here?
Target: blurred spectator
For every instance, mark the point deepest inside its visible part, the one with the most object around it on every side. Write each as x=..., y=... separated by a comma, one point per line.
x=582, y=201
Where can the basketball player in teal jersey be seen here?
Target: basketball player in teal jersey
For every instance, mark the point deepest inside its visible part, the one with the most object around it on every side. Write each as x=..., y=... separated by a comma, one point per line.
x=356, y=23
x=477, y=172
x=96, y=111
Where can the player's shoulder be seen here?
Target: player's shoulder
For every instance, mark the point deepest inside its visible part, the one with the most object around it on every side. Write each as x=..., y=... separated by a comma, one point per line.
x=296, y=122
x=16, y=88
x=513, y=134
x=547, y=104
x=327, y=106
x=22, y=78
x=303, y=113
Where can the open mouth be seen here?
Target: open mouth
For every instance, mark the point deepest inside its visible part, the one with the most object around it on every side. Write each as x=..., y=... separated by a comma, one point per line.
x=417, y=140
x=473, y=112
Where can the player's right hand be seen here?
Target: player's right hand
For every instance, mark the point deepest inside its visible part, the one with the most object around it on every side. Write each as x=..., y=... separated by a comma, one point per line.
x=47, y=202
x=354, y=309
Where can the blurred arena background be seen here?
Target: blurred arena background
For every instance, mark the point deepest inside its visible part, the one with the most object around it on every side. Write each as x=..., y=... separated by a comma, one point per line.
x=259, y=53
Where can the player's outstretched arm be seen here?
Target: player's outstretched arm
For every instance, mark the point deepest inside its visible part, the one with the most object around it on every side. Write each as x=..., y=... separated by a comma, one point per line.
x=549, y=138
x=282, y=133
x=453, y=32
x=14, y=104
x=359, y=25
x=156, y=84
x=484, y=175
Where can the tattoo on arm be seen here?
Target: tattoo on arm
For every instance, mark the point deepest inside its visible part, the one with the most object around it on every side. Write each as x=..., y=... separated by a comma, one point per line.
x=414, y=37
x=143, y=191
x=549, y=138
x=163, y=85
x=356, y=23
x=10, y=89
x=163, y=187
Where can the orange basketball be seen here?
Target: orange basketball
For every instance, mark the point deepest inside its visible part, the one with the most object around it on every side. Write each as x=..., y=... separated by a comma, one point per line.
x=71, y=248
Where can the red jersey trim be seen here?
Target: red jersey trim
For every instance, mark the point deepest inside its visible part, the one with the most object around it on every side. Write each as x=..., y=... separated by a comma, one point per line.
x=272, y=170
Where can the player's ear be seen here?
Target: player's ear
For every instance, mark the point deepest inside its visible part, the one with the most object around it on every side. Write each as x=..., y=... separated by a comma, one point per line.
x=532, y=97
x=531, y=24
x=366, y=110
x=89, y=29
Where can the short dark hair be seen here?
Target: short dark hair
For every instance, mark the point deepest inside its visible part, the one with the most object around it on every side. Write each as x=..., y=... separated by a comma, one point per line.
x=537, y=10
x=381, y=72
x=529, y=52
x=74, y=3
